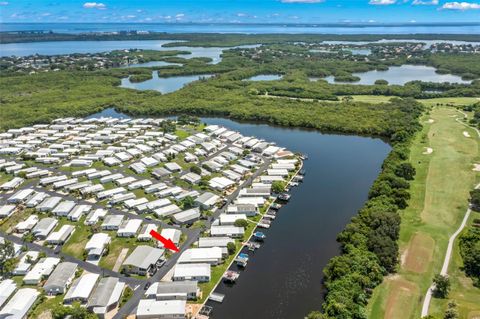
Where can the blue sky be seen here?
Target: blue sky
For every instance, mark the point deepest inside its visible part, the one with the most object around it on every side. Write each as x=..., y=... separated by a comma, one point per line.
x=240, y=11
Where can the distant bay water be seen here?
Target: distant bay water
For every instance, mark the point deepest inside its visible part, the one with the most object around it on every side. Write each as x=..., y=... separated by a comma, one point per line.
x=410, y=28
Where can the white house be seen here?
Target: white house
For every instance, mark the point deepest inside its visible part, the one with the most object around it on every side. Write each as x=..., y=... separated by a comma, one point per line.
x=197, y=272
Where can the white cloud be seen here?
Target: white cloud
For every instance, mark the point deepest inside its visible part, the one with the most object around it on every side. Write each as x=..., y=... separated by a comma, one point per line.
x=94, y=5
x=241, y=14
x=131, y=16
x=180, y=15
x=3, y=3
x=382, y=2
x=301, y=1
x=462, y=6
x=425, y=3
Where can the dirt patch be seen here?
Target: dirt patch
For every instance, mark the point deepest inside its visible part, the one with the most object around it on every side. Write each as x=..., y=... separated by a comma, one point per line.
x=401, y=299
x=474, y=314
x=419, y=253
x=466, y=134
x=120, y=258
x=193, y=309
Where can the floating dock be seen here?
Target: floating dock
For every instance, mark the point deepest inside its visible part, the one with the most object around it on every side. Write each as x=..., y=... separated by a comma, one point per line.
x=230, y=276
x=215, y=296
x=242, y=260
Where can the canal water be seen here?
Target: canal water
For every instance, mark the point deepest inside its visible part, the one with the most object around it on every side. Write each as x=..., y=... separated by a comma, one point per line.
x=283, y=279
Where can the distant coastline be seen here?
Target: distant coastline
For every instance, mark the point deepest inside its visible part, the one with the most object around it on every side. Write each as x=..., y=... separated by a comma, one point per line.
x=196, y=39
x=471, y=27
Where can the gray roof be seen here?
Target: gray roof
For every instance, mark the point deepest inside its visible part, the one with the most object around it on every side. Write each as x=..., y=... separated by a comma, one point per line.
x=43, y=224
x=103, y=292
x=161, y=172
x=204, y=197
x=61, y=275
x=143, y=257
x=187, y=215
x=177, y=287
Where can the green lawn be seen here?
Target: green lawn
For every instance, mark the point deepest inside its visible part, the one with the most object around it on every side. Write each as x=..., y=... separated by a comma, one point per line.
x=116, y=246
x=46, y=306
x=182, y=134
x=439, y=200
x=14, y=219
x=76, y=243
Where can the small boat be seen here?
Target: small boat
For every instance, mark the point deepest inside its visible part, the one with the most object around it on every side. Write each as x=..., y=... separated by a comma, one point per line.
x=302, y=172
x=263, y=225
x=252, y=245
x=298, y=178
x=230, y=276
x=284, y=197
x=276, y=206
x=242, y=260
x=259, y=236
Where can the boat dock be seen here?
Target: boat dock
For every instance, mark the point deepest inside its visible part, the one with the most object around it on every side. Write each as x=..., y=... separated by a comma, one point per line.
x=242, y=260
x=215, y=296
x=230, y=276
x=252, y=243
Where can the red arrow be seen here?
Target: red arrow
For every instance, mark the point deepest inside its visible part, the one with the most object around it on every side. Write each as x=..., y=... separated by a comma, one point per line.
x=167, y=243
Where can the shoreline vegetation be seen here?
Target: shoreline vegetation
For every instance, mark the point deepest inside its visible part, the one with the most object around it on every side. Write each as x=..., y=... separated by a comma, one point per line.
x=227, y=39
x=370, y=242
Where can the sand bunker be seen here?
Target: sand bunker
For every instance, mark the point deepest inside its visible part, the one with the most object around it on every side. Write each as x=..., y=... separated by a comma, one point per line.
x=476, y=167
x=466, y=134
x=428, y=150
x=430, y=121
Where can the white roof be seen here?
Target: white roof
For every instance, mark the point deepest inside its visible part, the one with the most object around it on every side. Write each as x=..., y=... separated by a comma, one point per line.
x=221, y=182
x=82, y=287
x=200, y=255
x=42, y=268
x=172, y=234
x=131, y=226
x=226, y=230
x=7, y=287
x=161, y=308
x=97, y=241
x=192, y=270
x=20, y=304
x=231, y=218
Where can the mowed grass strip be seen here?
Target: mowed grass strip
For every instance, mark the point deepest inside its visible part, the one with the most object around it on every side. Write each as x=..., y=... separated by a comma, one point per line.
x=439, y=199
x=419, y=253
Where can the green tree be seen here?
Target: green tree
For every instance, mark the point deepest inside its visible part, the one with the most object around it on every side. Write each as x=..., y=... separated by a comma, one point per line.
x=231, y=248
x=195, y=169
x=241, y=223
x=188, y=202
x=381, y=82
x=475, y=199
x=452, y=312
x=7, y=260
x=405, y=170
x=442, y=286
x=278, y=186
